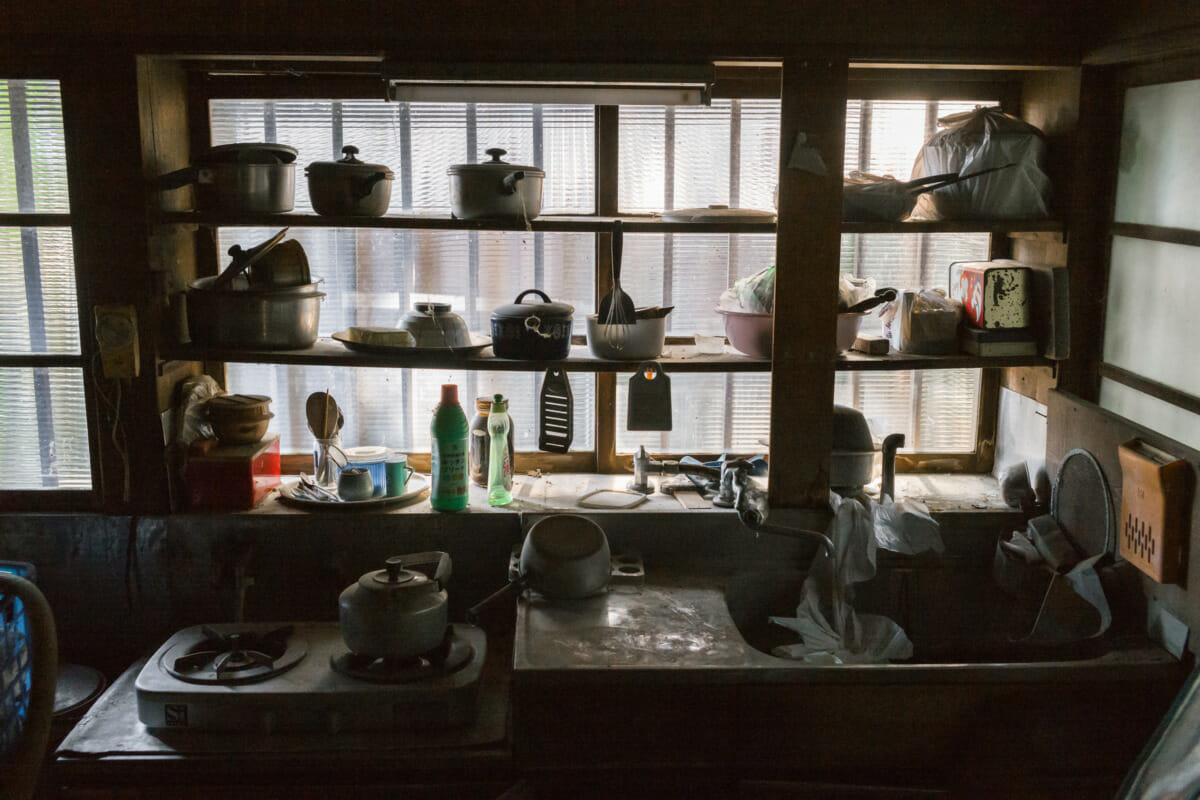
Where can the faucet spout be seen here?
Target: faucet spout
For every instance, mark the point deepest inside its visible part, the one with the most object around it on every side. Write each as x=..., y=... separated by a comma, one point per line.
x=741, y=494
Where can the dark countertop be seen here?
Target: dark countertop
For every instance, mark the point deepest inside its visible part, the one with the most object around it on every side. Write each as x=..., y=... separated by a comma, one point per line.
x=110, y=747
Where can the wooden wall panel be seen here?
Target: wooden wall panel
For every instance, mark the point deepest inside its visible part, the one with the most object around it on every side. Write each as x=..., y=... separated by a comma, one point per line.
x=1073, y=423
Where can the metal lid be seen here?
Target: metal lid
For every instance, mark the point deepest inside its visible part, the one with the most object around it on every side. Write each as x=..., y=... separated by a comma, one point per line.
x=394, y=576
x=497, y=166
x=248, y=153
x=546, y=310
x=348, y=165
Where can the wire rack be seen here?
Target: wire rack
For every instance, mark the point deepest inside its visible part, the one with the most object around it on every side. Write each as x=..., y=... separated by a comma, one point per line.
x=15, y=663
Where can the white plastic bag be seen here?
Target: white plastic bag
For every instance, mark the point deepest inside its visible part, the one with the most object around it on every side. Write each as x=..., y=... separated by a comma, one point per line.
x=832, y=631
x=979, y=139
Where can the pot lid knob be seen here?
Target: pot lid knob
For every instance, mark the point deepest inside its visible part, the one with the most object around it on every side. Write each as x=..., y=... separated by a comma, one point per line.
x=349, y=151
x=396, y=572
x=495, y=153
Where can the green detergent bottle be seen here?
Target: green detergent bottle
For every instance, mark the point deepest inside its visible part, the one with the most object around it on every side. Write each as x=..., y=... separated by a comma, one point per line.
x=448, y=461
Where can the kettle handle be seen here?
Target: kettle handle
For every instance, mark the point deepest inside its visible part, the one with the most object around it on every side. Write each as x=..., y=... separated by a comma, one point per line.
x=434, y=560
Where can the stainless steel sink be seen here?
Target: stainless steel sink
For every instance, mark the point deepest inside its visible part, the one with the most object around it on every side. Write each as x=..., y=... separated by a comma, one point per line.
x=968, y=622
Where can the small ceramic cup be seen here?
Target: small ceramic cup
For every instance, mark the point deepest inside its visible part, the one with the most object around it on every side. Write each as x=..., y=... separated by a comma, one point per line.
x=355, y=483
x=397, y=472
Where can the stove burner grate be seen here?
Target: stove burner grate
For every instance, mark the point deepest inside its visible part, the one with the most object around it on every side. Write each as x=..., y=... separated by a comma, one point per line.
x=451, y=655
x=239, y=656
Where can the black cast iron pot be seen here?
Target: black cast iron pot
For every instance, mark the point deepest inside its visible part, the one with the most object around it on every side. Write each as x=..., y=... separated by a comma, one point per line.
x=532, y=331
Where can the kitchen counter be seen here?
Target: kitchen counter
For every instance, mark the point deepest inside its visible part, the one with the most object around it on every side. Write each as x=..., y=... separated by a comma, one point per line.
x=110, y=748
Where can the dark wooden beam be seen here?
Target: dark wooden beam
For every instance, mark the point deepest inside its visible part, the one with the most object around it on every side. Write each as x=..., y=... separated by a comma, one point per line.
x=807, y=253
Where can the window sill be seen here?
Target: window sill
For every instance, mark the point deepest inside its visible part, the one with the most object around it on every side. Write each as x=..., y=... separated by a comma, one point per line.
x=560, y=492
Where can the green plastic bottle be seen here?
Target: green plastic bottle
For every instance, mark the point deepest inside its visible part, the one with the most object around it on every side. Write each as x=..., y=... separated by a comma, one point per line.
x=500, y=466
x=448, y=459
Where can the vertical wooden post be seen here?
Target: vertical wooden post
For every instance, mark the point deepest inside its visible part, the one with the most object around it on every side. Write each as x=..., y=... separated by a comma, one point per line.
x=607, y=158
x=108, y=212
x=1088, y=215
x=807, y=251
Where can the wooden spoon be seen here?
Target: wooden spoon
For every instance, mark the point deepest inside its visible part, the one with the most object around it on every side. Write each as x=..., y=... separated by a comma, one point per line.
x=323, y=415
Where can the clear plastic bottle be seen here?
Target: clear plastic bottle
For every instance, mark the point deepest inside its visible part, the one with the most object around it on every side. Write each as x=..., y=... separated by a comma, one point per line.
x=500, y=466
x=448, y=457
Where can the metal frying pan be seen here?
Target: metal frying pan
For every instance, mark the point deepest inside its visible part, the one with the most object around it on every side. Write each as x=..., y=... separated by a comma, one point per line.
x=564, y=557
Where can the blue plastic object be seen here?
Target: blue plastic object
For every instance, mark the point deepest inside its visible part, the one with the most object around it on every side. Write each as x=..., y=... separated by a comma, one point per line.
x=15, y=662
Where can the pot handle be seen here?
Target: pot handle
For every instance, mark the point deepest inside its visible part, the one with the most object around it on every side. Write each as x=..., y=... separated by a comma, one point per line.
x=434, y=560
x=369, y=182
x=177, y=179
x=509, y=181
x=545, y=297
x=506, y=591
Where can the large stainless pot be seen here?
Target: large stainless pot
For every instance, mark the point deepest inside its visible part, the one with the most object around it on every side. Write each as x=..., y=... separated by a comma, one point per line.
x=256, y=178
x=349, y=187
x=260, y=319
x=495, y=190
x=397, y=613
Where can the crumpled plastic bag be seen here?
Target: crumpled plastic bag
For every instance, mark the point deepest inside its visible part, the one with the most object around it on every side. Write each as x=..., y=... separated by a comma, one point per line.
x=923, y=321
x=755, y=293
x=832, y=631
x=906, y=527
x=975, y=140
x=852, y=289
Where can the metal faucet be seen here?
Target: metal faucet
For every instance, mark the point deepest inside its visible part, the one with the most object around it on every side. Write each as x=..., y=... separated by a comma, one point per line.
x=741, y=494
x=644, y=466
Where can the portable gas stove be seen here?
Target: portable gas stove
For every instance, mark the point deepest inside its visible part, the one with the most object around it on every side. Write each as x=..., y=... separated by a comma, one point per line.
x=301, y=677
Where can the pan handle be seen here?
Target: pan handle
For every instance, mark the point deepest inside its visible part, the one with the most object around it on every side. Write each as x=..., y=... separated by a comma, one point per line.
x=934, y=182
x=506, y=591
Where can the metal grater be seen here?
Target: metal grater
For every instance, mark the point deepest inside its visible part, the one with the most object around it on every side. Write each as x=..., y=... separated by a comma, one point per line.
x=556, y=422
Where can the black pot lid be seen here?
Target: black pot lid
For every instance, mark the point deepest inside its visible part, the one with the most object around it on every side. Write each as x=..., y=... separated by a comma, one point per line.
x=248, y=153
x=546, y=310
x=497, y=166
x=348, y=165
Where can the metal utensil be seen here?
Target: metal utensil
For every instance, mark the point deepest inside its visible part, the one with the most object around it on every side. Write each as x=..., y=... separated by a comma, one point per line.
x=244, y=259
x=313, y=488
x=555, y=407
x=616, y=310
x=881, y=296
x=653, y=312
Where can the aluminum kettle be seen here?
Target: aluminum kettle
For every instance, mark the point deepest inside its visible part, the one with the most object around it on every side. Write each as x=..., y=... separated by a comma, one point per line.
x=398, y=612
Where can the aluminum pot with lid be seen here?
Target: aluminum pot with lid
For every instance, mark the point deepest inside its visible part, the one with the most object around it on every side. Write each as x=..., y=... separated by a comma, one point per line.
x=495, y=189
x=398, y=612
x=349, y=187
x=259, y=319
x=532, y=331
x=253, y=177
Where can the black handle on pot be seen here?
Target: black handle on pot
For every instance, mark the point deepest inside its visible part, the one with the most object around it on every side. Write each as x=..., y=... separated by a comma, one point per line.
x=177, y=179
x=509, y=589
x=510, y=181
x=369, y=182
x=545, y=297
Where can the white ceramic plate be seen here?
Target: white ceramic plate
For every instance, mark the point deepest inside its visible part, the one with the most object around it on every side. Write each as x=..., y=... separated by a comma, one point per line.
x=416, y=487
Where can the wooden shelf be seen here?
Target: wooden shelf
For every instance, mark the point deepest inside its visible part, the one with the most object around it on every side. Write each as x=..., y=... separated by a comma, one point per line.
x=955, y=226
x=549, y=224
x=860, y=362
x=580, y=224
x=675, y=358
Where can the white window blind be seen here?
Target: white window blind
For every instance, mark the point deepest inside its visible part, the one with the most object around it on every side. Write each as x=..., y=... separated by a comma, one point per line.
x=373, y=276
x=42, y=409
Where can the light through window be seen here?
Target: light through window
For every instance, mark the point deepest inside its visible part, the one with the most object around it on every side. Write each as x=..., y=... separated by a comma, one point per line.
x=42, y=409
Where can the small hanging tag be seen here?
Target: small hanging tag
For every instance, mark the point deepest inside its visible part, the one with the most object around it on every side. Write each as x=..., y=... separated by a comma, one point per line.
x=649, y=399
